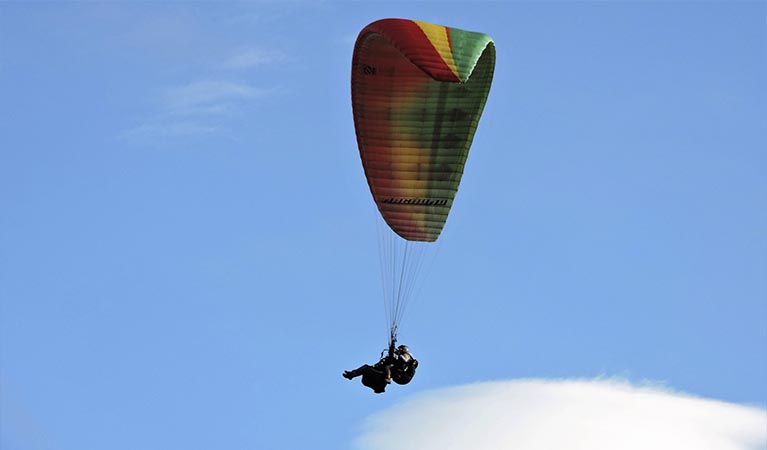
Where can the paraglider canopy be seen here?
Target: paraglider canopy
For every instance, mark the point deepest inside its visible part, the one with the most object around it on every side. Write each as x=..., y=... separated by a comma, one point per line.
x=418, y=91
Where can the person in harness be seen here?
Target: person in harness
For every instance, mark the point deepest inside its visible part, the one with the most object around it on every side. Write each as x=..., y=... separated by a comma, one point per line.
x=404, y=365
x=398, y=365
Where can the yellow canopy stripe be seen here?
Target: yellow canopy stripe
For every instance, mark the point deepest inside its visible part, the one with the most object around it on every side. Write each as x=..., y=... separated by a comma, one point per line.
x=438, y=37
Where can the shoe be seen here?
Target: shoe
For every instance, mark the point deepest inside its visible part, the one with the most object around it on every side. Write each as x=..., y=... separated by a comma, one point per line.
x=348, y=375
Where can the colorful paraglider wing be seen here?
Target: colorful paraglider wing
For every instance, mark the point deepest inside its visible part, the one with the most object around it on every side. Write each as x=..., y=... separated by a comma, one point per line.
x=418, y=91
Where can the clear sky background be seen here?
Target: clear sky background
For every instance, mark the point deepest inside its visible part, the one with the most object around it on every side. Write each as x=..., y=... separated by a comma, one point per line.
x=188, y=248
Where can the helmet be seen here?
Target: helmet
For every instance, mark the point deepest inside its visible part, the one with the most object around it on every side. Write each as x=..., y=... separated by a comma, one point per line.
x=403, y=349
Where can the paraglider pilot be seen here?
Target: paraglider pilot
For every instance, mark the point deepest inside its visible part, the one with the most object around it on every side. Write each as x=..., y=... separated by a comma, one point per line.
x=398, y=365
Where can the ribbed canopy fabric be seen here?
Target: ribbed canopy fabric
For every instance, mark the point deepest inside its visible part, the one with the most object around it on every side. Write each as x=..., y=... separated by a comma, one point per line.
x=418, y=91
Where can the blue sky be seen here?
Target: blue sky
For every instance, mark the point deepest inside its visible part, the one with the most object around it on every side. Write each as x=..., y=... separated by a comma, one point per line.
x=188, y=248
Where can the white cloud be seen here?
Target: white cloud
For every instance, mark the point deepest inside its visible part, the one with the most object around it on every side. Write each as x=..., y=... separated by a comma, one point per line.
x=208, y=96
x=170, y=129
x=196, y=109
x=254, y=57
x=572, y=415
